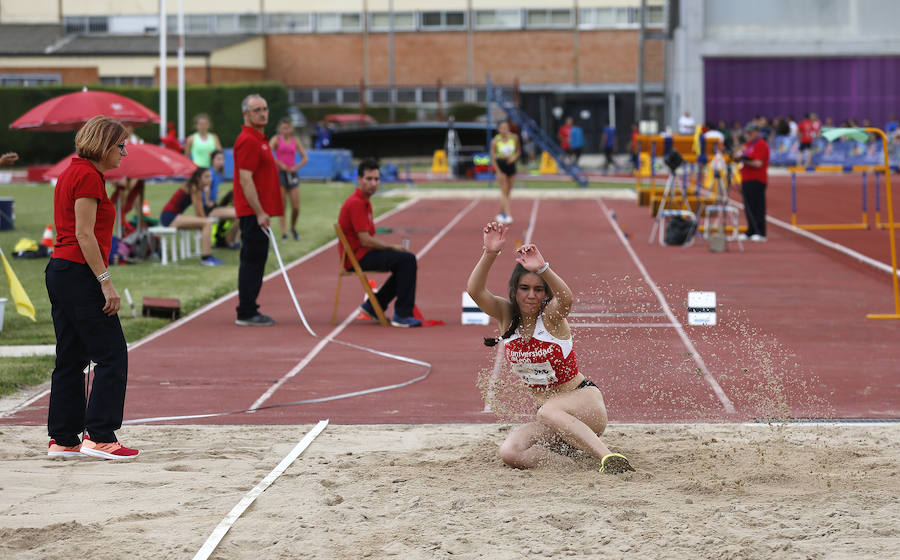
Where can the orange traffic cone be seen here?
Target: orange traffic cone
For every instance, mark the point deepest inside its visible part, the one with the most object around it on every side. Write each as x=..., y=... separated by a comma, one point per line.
x=47, y=239
x=145, y=209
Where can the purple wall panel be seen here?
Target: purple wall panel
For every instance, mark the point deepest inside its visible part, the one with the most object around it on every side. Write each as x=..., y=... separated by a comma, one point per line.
x=840, y=88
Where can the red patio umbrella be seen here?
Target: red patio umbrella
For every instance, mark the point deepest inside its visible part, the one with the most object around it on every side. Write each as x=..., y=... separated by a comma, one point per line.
x=142, y=162
x=72, y=110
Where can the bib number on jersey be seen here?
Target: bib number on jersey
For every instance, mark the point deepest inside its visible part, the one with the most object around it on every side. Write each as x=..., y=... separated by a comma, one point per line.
x=535, y=374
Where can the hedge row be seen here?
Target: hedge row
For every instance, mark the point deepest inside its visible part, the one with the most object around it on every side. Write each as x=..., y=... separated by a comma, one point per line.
x=220, y=102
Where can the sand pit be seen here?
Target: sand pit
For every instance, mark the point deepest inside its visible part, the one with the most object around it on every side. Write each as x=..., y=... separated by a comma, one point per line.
x=439, y=491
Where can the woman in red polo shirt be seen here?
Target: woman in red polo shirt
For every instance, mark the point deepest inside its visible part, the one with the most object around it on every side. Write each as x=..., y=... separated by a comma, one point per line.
x=84, y=302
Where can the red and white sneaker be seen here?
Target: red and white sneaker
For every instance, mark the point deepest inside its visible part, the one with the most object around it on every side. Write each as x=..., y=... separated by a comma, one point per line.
x=65, y=451
x=113, y=450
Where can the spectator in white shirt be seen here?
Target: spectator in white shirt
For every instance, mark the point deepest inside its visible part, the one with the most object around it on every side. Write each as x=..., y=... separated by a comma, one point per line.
x=686, y=123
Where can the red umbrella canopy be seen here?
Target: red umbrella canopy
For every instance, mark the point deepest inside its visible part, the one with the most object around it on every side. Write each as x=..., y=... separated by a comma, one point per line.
x=72, y=110
x=142, y=162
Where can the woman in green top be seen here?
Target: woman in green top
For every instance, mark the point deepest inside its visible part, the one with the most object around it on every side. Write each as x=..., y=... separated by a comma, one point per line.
x=200, y=145
x=505, y=151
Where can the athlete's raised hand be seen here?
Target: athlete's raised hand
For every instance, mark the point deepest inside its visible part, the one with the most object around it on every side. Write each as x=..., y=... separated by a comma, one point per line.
x=528, y=256
x=494, y=237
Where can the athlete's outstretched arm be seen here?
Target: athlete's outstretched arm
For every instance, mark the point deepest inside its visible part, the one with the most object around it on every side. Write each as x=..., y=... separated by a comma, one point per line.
x=559, y=307
x=496, y=307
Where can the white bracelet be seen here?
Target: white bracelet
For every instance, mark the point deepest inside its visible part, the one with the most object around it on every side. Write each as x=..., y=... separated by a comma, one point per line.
x=103, y=276
x=543, y=269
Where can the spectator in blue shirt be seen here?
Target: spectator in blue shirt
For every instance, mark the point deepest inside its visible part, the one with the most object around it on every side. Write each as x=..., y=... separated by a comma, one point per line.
x=891, y=125
x=576, y=143
x=608, y=141
x=217, y=172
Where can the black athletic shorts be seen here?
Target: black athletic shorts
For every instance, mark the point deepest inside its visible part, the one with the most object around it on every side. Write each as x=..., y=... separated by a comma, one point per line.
x=508, y=169
x=586, y=383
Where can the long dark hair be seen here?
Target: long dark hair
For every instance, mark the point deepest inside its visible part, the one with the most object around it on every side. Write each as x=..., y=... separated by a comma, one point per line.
x=514, y=279
x=193, y=181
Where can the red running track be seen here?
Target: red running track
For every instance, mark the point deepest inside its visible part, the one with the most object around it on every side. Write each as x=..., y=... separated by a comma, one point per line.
x=792, y=331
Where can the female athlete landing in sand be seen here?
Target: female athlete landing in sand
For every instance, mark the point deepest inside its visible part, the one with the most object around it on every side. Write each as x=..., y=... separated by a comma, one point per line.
x=539, y=348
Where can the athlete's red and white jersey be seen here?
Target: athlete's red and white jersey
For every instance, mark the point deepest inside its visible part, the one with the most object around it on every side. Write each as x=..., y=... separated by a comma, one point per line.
x=544, y=360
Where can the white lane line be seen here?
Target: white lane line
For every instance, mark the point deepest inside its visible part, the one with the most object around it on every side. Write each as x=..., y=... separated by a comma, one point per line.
x=219, y=532
x=585, y=314
x=200, y=311
x=318, y=347
x=701, y=365
x=622, y=325
x=498, y=356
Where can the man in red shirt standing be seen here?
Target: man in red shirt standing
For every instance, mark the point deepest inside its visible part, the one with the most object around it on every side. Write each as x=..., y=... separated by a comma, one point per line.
x=807, y=134
x=355, y=220
x=257, y=197
x=754, y=178
x=564, y=134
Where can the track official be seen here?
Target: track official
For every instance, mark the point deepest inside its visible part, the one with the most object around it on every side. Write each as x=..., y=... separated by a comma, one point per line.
x=84, y=303
x=257, y=197
x=754, y=178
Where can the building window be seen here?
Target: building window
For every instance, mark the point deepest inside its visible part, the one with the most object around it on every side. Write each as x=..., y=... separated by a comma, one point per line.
x=333, y=23
x=590, y=18
x=248, y=23
x=328, y=96
x=403, y=21
x=455, y=94
x=84, y=24
x=498, y=19
x=443, y=20
x=22, y=80
x=548, y=18
x=350, y=96
x=302, y=96
x=296, y=23
x=380, y=95
x=656, y=16
x=127, y=80
x=225, y=23
x=198, y=23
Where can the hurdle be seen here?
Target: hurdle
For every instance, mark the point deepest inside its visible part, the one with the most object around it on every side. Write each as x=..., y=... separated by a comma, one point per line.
x=864, y=169
x=891, y=225
x=878, y=223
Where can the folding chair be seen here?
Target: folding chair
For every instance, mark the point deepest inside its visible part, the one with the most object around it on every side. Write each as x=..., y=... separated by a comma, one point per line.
x=360, y=273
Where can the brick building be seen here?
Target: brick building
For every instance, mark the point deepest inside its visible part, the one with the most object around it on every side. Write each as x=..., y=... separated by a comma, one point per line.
x=579, y=57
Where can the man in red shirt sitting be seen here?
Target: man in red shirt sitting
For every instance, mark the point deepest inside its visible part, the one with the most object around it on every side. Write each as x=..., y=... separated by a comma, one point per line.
x=355, y=219
x=754, y=178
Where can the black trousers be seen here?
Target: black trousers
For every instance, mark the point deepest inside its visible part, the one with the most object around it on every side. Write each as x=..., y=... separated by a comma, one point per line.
x=254, y=252
x=755, y=206
x=400, y=284
x=84, y=333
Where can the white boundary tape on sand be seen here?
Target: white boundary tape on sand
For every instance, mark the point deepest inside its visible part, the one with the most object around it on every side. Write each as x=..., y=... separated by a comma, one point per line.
x=695, y=355
x=219, y=532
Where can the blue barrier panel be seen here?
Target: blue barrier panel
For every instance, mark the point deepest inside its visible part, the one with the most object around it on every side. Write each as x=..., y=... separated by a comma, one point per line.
x=327, y=164
x=322, y=164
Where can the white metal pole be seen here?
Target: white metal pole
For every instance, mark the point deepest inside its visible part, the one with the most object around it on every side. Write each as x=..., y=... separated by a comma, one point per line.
x=162, y=68
x=181, y=71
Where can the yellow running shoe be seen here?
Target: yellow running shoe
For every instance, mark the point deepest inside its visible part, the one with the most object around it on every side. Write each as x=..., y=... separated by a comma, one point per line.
x=615, y=463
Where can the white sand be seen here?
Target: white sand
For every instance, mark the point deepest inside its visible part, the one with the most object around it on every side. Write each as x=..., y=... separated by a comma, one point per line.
x=437, y=491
